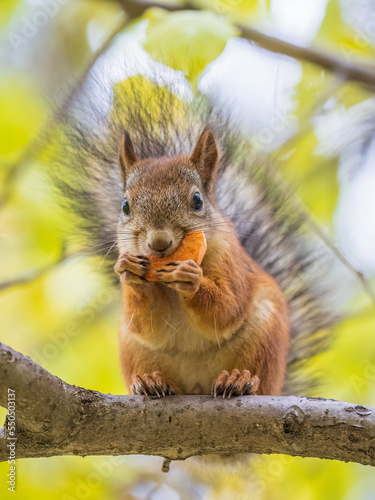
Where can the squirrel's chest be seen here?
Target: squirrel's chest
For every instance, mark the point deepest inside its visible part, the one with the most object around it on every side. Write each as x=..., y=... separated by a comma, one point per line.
x=168, y=326
x=181, y=336
x=164, y=325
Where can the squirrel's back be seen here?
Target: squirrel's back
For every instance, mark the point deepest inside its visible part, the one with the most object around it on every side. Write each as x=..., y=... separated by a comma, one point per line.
x=161, y=123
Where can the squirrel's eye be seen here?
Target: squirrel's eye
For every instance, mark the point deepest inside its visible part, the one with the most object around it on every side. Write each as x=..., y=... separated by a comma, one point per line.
x=125, y=207
x=197, y=202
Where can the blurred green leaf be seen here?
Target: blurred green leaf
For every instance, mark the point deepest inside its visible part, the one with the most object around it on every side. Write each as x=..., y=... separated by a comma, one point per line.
x=313, y=177
x=145, y=88
x=187, y=41
x=238, y=11
x=22, y=114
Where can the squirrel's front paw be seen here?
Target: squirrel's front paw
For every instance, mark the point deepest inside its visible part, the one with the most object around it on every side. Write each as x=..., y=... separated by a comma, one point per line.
x=132, y=268
x=183, y=276
x=236, y=384
x=152, y=384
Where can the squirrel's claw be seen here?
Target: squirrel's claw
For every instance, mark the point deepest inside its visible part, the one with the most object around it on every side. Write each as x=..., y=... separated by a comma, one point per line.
x=218, y=386
x=138, y=387
x=151, y=384
x=183, y=276
x=236, y=384
x=171, y=391
x=132, y=268
x=232, y=390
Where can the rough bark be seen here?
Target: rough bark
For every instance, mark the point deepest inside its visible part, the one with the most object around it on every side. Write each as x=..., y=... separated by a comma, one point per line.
x=54, y=418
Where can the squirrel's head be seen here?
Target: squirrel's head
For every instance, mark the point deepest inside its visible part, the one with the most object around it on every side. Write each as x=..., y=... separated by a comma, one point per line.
x=165, y=198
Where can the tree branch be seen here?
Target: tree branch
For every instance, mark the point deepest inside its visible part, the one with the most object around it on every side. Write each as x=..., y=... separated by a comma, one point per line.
x=330, y=62
x=303, y=213
x=54, y=418
x=346, y=69
x=34, y=274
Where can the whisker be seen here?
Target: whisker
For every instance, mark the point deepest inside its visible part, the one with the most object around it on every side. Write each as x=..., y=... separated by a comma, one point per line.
x=174, y=328
x=217, y=338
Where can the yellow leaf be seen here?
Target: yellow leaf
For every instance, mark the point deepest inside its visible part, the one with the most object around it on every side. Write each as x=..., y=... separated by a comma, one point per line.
x=187, y=41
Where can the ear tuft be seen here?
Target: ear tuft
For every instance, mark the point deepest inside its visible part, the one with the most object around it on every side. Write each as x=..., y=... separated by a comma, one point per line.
x=205, y=157
x=127, y=156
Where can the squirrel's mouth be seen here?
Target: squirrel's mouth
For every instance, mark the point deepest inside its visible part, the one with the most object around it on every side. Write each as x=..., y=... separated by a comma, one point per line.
x=162, y=252
x=160, y=242
x=159, y=253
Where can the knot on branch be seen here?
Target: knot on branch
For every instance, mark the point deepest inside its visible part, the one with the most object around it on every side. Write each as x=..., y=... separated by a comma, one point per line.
x=293, y=417
x=7, y=355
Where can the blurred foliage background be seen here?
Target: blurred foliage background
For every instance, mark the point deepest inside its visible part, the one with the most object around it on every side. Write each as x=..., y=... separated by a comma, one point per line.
x=317, y=129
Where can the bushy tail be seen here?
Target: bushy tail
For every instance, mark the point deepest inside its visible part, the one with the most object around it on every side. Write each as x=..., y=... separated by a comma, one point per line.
x=164, y=121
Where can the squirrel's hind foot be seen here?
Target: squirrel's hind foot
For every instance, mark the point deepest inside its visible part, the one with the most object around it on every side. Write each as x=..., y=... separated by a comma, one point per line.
x=152, y=384
x=238, y=383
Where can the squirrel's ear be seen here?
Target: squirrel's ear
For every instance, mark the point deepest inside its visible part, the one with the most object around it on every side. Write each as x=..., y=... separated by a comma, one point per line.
x=127, y=156
x=205, y=157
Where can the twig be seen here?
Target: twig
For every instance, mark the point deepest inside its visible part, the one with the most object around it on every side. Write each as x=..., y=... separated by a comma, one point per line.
x=33, y=274
x=135, y=8
x=310, y=221
x=331, y=245
x=166, y=465
x=54, y=418
x=344, y=69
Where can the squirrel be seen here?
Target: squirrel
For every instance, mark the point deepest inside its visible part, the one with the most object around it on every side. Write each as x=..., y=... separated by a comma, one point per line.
x=156, y=169
x=222, y=326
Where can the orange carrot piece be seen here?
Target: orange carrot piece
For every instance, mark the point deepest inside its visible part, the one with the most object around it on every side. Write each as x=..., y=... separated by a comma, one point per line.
x=192, y=247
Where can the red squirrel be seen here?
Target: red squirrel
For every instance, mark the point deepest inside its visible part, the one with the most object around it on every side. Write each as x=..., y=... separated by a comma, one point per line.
x=222, y=327
x=257, y=307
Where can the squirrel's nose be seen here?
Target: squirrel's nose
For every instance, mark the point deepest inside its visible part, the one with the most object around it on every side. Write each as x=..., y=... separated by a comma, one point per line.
x=159, y=241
